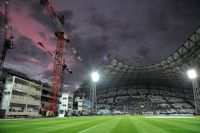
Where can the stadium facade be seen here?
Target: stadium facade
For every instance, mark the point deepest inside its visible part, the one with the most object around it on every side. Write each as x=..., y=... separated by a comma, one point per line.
x=159, y=88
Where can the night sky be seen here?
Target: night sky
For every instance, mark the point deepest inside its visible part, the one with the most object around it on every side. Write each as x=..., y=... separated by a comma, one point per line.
x=137, y=32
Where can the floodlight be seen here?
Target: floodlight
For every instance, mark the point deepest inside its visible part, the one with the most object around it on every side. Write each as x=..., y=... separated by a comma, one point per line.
x=95, y=76
x=192, y=74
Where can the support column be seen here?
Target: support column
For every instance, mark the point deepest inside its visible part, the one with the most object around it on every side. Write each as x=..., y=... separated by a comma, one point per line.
x=196, y=91
x=93, y=98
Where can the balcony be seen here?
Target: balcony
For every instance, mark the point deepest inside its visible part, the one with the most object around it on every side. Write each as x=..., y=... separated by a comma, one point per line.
x=24, y=113
x=46, y=95
x=24, y=100
x=20, y=88
x=27, y=89
x=34, y=91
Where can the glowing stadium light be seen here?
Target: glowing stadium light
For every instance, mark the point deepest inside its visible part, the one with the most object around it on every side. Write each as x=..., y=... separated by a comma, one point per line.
x=95, y=76
x=192, y=74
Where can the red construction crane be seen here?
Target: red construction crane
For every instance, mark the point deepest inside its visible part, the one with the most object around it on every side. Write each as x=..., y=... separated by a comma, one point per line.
x=64, y=66
x=58, y=66
x=8, y=38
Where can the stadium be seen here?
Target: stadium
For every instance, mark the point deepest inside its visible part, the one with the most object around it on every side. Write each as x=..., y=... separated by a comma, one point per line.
x=111, y=78
x=161, y=88
x=156, y=98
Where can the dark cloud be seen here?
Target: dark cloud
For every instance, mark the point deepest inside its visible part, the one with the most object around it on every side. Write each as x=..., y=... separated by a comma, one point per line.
x=47, y=75
x=26, y=57
x=143, y=51
x=92, y=48
x=79, y=73
x=25, y=51
x=108, y=24
x=42, y=34
x=144, y=55
x=68, y=15
x=99, y=21
x=38, y=12
x=158, y=21
x=42, y=17
x=182, y=9
x=131, y=29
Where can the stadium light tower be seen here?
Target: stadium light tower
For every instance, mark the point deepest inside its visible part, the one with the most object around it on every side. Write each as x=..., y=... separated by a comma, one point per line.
x=192, y=74
x=95, y=78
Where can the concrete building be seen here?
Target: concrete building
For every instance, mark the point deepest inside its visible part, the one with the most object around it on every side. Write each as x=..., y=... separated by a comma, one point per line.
x=21, y=97
x=7, y=74
x=65, y=104
x=45, y=97
x=81, y=105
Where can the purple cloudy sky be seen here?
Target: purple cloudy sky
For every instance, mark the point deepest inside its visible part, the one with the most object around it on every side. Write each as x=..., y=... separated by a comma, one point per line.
x=137, y=32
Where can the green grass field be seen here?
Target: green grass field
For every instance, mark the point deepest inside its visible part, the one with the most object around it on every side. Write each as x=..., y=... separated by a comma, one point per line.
x=102, y=124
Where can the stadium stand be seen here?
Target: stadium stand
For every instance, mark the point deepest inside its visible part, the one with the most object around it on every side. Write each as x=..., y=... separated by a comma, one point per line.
x=161, y=88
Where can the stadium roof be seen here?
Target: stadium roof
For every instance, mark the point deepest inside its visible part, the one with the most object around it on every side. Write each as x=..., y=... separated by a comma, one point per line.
x=170, y=72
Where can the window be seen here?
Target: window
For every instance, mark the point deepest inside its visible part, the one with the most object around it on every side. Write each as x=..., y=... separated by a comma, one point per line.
x=64, y=105
x=61, y=111
x=6, y=93
x=69, y=105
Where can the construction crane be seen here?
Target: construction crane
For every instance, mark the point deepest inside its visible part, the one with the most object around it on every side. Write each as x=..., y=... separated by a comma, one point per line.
x=49, y=52
x=64, y=66
x=8, y=38
x=58, y=65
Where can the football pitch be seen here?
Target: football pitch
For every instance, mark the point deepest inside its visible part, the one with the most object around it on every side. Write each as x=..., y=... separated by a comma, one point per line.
x=103, y=124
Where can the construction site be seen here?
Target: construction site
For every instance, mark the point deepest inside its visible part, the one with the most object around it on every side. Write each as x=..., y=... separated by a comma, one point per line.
x=94, y=67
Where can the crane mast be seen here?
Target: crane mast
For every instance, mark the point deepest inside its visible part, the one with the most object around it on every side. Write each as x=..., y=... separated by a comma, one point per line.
x=57, y=72
x=64, y=66
x=8, y=44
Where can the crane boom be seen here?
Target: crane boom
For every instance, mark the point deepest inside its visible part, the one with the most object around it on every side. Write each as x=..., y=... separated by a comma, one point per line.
x=49, y=52
x=59, y=22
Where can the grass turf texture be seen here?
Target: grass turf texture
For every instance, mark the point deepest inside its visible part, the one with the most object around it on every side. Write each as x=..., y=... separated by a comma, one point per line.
x=102, y=124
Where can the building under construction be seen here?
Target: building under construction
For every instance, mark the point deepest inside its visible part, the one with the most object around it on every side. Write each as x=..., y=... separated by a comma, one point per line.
x=22, y=96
